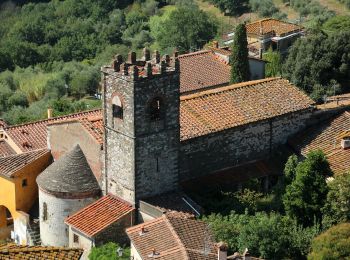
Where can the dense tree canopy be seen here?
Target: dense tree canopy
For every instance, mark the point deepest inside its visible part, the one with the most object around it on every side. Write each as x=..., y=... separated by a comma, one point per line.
x=337, y=208
x=108, y=252
x=305, y=196
x=320, y=63
x=333, y=244
x=184, y=28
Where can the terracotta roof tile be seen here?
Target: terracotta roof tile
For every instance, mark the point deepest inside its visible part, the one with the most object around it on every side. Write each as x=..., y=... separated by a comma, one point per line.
x=202, y=69
x=325, y=136
x=33, y=136
x=11, y=164
x=221, y=108
x=5, y=149
x=99, y=215
x=173, y=237
x=272, y=26
x=15, y=252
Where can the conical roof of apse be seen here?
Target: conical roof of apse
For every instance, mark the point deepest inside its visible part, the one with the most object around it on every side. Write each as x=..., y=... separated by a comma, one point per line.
x=69, y=174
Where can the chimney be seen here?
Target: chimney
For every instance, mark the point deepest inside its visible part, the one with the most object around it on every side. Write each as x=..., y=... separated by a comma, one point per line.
x=345, y=142
x=216, y=44
x=222, y=250
x=118, y=59
x=49, y=113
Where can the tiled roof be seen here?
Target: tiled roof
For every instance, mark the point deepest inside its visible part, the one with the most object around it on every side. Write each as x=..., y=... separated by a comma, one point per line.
x=174, y=202
x=273, y=26
x=325, y=136
x=5, y=149
x=11, y=164
x=33, y=136
x=218, y=109
x=173, y=238
x=202, y=69
x=99, y=215
x=15, y=252
x=71, y=173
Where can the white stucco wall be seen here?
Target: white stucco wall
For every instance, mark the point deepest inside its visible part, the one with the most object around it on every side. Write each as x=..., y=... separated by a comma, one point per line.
x=53, y=231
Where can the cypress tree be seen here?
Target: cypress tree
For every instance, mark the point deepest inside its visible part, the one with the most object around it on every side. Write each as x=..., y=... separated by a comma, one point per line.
x=239, y=56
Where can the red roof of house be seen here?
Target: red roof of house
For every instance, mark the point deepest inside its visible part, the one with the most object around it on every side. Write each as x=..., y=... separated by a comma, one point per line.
x=11, y=164
x=32, y=136
x=326, y=137
x=272, y=26
x=173, y=238
x=99, y=215
x=5, y=149
x=222, y=108
x=202, y=69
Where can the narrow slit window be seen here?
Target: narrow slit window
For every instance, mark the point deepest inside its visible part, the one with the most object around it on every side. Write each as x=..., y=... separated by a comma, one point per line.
x=155, y=109
x=117, y=108
x=44, y=211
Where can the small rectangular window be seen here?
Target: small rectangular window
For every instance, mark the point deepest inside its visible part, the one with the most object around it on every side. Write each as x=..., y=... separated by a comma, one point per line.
x=75, y=238
x=44, y=211
x=24, y=183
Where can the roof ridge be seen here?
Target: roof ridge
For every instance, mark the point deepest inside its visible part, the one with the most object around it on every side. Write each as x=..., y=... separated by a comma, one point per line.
x=227, y=88
x=195, y=53
x=53, y=118
x=173, y=231
x=145, y=224
x=27, y=152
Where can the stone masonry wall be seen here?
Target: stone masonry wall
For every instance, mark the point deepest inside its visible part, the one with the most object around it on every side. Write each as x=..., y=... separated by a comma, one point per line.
x=141, y=155
x=210, y=153
x=53, y=231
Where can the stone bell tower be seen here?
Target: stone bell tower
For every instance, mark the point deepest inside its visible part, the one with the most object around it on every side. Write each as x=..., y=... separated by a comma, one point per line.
x=142, y=133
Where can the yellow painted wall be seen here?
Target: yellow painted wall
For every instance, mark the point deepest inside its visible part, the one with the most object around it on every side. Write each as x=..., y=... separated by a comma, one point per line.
x=17, y=198
x=26, y=196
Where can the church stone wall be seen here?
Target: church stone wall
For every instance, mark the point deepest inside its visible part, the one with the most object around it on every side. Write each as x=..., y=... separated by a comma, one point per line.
x=207, y=154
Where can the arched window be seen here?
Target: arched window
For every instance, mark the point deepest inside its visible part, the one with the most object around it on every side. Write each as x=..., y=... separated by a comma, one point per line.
x=117, y=107
x=156, y=107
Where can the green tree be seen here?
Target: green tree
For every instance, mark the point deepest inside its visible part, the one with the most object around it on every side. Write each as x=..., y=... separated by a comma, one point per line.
x=337, y=208
x=270, y=236
x=336, y=24
x=290, y=169
x=18, y=99
x=333, y=244
x=306, y=195
x=239, y=58
x=186, y=29
x=274, y=64
x=108, y=252
x=232, y=7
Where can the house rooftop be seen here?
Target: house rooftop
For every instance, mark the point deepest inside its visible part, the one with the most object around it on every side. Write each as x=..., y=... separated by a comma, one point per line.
x=222, y=108
x=12, y=251
x=170, y=237
x=272, y=26
x=33, y=136
x=99, y=215
x=202, y=69
x=326, y=136
x=11, y=164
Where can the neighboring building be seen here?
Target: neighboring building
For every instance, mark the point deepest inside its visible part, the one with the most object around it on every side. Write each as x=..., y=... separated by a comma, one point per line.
x=269, y=33
x=19, y=192
x=208, y=69
x=173, y=237
x=12, y=251
x=33, y=136
x=65, y=187
x=101, y=222
x=332, y=136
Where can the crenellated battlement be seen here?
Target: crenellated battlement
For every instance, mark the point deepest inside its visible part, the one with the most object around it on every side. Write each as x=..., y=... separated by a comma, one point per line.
x=146, y=67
